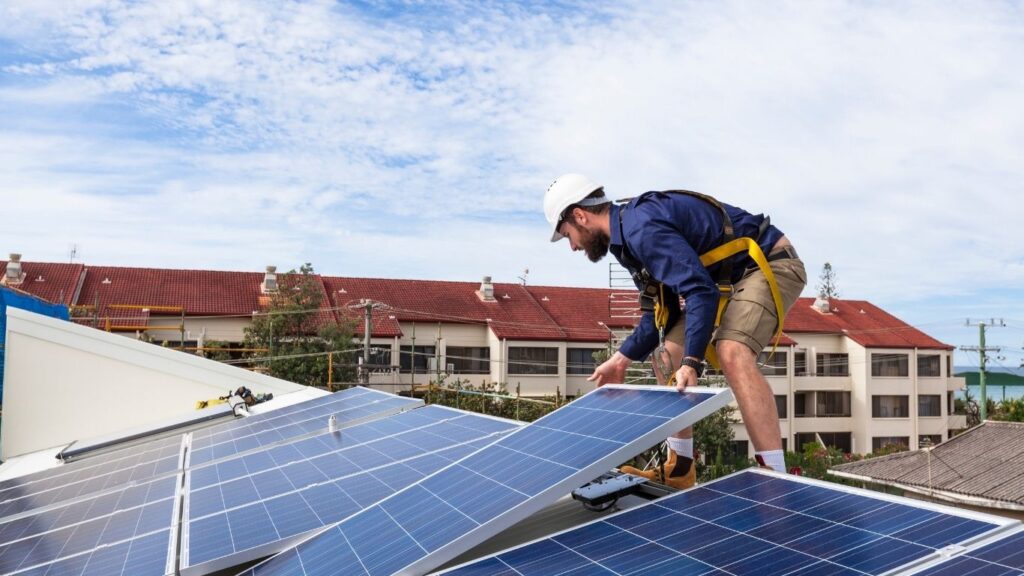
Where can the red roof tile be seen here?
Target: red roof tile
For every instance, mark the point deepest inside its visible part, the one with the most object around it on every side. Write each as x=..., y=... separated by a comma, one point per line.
x=862, y=322
x=51, y=281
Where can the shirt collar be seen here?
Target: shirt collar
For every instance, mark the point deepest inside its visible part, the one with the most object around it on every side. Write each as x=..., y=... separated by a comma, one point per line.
x=614, y=227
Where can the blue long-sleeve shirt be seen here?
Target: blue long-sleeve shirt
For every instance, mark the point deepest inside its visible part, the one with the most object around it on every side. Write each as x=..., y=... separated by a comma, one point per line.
x=666, y=233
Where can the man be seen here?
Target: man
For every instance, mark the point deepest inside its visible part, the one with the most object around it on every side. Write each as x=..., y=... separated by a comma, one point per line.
x=659, y=237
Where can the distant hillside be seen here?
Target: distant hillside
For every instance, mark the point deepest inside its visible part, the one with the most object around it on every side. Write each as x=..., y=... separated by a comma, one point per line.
x=993, y=378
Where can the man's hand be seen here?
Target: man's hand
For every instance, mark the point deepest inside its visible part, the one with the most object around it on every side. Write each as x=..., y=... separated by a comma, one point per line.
x=613, y=370
x=685, y=376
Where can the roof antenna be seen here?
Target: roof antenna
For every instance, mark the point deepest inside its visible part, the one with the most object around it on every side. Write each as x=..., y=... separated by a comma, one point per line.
x=526, y=273
x=72, y=253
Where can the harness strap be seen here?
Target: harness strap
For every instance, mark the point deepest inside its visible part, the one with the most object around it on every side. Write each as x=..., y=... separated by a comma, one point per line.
x=728, y=250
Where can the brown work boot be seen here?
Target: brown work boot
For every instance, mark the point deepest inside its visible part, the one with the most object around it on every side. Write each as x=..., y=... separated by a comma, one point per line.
x=663, y=474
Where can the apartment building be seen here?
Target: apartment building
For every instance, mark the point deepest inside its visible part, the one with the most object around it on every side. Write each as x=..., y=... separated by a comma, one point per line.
x=845, y=373
x=852, y=376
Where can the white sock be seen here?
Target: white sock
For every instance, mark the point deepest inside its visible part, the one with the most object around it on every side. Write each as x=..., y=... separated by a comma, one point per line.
x=681, y=446
x=774, y=459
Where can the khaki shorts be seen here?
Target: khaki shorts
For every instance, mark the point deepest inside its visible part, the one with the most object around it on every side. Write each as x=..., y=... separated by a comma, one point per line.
x=749, y=315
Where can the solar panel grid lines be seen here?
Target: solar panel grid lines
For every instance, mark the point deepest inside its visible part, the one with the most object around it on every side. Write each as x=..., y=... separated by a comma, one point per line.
x=92, y=466
x=303, y=497
x=246, y=437
x=751, y=523
x=135, y=541
x=999, y=555
x=126, y=501
x=281, y=415
x=428, y=523
x=83, y=485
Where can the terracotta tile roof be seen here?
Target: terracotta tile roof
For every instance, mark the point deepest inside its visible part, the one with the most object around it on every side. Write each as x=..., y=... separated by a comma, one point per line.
x=862, y=322
x=52, y=281
x=199, y=292
x=582, y=312
x=987, y=462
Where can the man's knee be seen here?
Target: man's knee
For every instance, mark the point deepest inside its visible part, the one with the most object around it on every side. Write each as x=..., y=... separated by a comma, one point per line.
x=732, y=353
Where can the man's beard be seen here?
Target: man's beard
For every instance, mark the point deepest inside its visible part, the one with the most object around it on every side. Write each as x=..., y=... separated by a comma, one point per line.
x=595, y=244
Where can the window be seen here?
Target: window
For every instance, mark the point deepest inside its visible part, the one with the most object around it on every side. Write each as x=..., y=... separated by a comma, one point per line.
x=784, y=443
x=580, y=361
x=533, y=360
x=800, y=363
x=840, y=440
x=833, y=364
x=890, y=406
x=468, y=359
x=780, y=405
x=928, y=366
x=740, y=449
x=773, y=364
x=418, y=358
x=929, y=405
x=925, y=440
x=803, y=404
x=890, y=442
x=832, y=404
x=884, y=365
x=380, y=357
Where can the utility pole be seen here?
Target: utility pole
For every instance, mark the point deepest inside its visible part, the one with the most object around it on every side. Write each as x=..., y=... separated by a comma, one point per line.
x=367, y=323
x=982, y=350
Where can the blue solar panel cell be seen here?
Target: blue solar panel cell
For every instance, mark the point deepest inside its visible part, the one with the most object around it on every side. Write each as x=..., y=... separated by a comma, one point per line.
x=350, y=406
x=240, y=518
x=761, y=524
x=501, y=484
x=1002, y=557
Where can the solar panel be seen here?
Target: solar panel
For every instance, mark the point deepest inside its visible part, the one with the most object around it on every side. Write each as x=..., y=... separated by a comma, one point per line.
x=752, y=522
x=248, y=507
x=134, y=533
x=1003, y=557
x=85, y=482
x=93, y=466
x=430, y=522
x=348, y=407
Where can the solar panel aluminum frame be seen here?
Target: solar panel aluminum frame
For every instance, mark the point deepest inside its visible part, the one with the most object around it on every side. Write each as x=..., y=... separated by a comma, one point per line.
x=276, y=546
x=182, y=455
x=340, y=426
x=719, y=398
x=171, y=567
x=1004, y=526
x=125, y=438
x=953, y=554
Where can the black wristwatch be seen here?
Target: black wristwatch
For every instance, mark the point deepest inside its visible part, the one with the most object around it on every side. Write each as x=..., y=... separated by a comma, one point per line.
x=697, y=365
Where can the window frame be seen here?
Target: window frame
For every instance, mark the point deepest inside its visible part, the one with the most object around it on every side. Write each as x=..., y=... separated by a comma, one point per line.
x=463, y=355
x=876, y=406
x=830, y=361
x=573, y=368
x=937, y=401
x=533, y=366
x=882, y=364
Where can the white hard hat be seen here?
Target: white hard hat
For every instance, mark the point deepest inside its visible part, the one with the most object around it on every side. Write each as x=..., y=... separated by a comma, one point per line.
x=566, y=190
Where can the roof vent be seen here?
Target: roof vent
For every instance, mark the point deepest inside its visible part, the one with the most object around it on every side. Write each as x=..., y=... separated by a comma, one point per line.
x=505, y=296
x=40, y=278
x=105, y=281
x=14, y=274
x=821, y=305
x=486, y=291
x=545, y=299
x=269, y=280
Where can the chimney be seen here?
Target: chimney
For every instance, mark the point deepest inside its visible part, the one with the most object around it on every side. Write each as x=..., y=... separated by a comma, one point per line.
x=14, y=274
x=486, y=291
x=270, y=280
x=821, y=305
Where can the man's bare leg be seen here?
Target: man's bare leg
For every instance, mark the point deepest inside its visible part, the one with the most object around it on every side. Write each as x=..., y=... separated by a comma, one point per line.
x=754, y=396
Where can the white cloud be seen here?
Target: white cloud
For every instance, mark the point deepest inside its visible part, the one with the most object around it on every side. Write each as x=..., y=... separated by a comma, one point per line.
x=885, y=139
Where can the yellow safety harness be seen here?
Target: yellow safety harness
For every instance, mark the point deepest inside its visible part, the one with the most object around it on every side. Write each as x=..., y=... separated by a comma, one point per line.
x=731, y=247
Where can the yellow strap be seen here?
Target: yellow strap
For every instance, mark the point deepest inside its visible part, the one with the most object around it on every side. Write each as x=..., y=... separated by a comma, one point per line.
x=754, y=251
x=714, y=256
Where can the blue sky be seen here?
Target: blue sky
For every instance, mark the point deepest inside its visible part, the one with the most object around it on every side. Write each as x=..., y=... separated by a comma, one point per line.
x=415, y=140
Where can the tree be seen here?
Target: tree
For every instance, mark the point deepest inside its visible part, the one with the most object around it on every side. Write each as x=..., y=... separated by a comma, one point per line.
x=298, y=333
x=827, y=287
